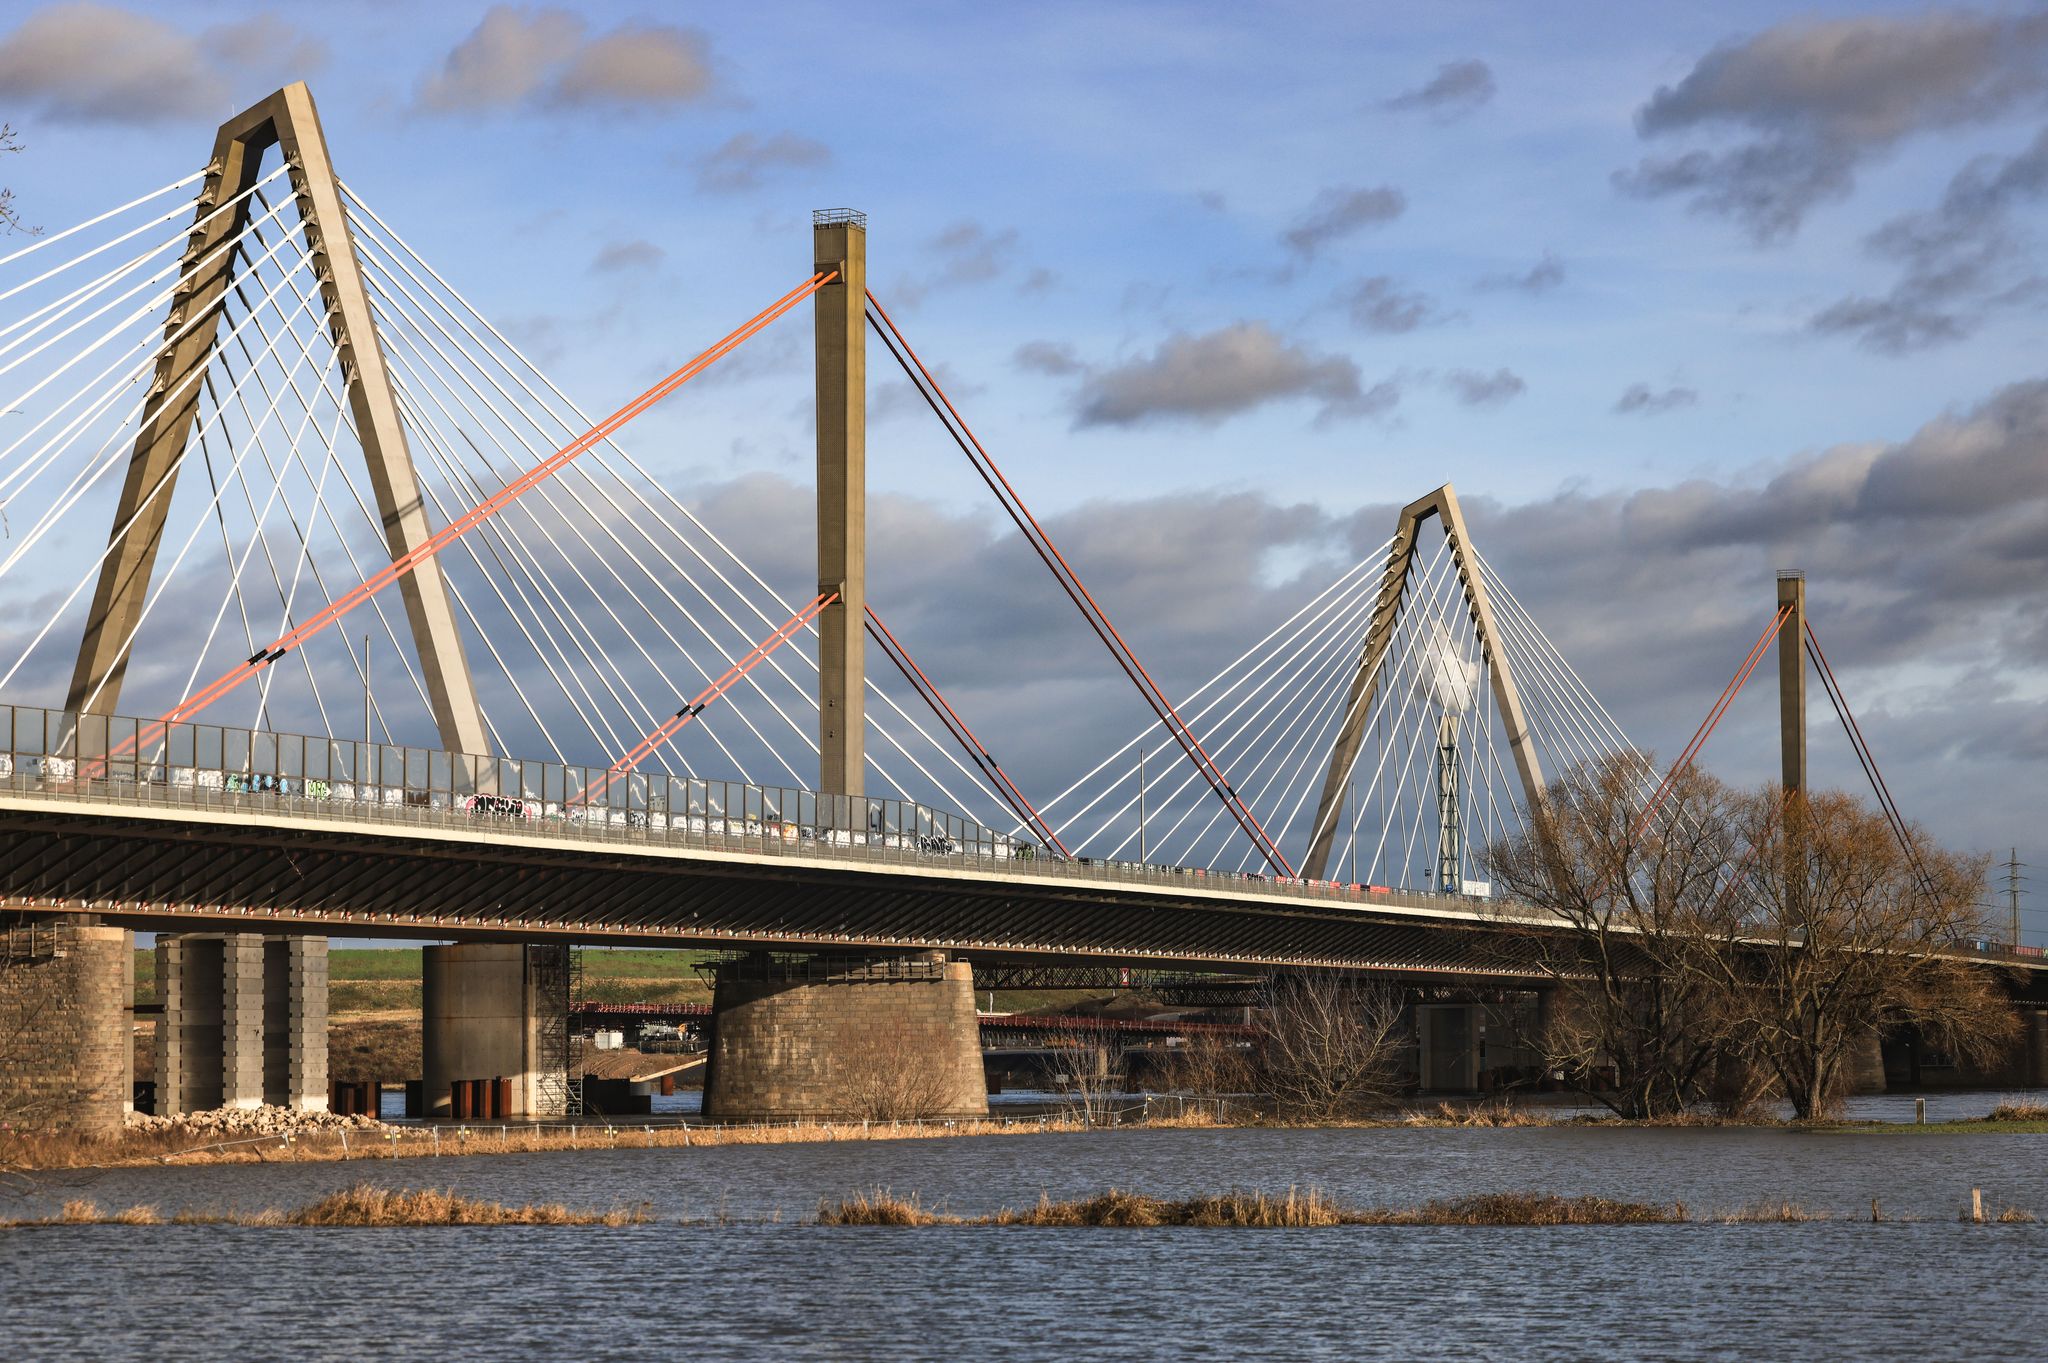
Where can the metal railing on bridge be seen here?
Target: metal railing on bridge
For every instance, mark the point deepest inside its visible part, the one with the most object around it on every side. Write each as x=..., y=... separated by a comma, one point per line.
x=114, y=757
x=142, y=762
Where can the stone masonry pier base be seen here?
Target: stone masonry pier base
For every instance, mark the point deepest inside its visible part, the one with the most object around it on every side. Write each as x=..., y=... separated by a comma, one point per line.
x=883, y=1038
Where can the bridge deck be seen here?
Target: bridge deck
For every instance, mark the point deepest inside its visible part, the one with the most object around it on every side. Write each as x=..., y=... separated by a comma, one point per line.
x=168, y=858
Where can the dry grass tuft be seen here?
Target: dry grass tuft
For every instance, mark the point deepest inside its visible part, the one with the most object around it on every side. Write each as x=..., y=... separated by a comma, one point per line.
x=1117, y=1208
x=2018, y=1110
x=2015, y=1216
x=880, y=1208
x=1296, y=1209
x=365, y=1205
x=362, y=1205
x=1527, y=1209
x=1497, y=1113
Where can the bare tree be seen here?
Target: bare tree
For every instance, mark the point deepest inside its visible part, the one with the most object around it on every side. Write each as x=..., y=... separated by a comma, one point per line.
x=883, y=1082
x=10, y=216
x=1211, y=1066
x=1331, y=1047
x=1638, y=898
x=1849, y=924
x=1094, y=1070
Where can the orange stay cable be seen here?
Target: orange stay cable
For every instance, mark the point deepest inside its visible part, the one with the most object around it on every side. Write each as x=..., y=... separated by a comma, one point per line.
x=1176, y=725
x=725, y=682
x=482, y=511
x=1699, y=738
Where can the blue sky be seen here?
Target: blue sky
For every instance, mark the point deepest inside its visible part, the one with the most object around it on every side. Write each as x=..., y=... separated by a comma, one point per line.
x=1611, y=268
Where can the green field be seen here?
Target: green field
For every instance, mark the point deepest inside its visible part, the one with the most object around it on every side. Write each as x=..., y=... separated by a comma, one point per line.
x=382, y=979
x=387, y=980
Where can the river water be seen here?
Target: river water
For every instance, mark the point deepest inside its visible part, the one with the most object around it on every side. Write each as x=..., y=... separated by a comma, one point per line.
x=765, y=1284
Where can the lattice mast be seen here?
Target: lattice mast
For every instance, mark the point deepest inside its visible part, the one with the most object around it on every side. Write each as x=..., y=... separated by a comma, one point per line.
x=1450, y=838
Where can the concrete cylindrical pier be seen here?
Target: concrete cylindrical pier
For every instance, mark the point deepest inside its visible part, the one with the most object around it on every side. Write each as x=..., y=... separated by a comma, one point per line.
x=881, y=1038
x=491, y=1010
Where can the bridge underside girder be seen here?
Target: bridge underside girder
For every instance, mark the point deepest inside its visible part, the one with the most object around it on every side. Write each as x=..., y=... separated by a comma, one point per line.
x=278, y=880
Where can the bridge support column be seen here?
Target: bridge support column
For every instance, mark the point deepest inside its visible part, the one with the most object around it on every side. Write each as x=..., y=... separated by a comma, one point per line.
x=1447, y=1036
x=244, y=1022
x=891, y=1039
x=1863, y=1067
x=496, y=1011
x=67, y=1048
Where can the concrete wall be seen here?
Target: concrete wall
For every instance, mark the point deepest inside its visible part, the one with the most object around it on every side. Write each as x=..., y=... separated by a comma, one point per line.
x=2023, y=1063
x=851, y=1041
x=66, y=1039
x=1447, y=1036
x=244, y=1022
x=487, y=1008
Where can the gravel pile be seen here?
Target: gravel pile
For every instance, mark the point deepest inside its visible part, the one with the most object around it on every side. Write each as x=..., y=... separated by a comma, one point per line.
x=250, y=1121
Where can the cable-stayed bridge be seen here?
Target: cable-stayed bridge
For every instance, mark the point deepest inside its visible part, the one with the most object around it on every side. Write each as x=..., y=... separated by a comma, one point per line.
x=329, y=612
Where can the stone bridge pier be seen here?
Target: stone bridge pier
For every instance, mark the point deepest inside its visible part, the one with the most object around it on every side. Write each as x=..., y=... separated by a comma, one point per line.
x=67, y=1050
x=879, y=1037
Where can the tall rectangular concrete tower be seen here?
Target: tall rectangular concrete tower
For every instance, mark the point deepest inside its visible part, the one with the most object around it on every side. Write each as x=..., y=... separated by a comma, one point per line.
x=1792, y=680
x=840, y=243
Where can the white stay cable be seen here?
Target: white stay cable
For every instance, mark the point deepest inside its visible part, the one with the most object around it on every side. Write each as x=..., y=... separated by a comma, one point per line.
x=1340, y=596
x=42, y=243
x=598, y=453
x=91, y=473
x=1294, y=658
x=753, y=683
x=332, y=457
x=1233, y=735
x=120, y=533
x=161, y=583
x=1414, y=587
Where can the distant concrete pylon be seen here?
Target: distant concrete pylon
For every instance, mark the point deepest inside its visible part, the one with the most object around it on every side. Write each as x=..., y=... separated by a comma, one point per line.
x=839, y=246
x=287, y=120
x=1443, y=504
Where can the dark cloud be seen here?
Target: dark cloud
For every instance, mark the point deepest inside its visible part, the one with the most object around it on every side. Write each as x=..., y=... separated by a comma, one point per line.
x=93, y=63
x=546, y=58
x=1640, y=399
x=1211, y=376
x=267, y=43
x=1379, y=304
x=1545, y=275
x=628, y=256
x=1957, y=261
x=1818, y=98
x=1457, y=89
x=1476, y=389
x=1056, y=358
x=1930, y=551
x=1338, y=213
x=746, y=159
x=1926, y=562
x=964, y=254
